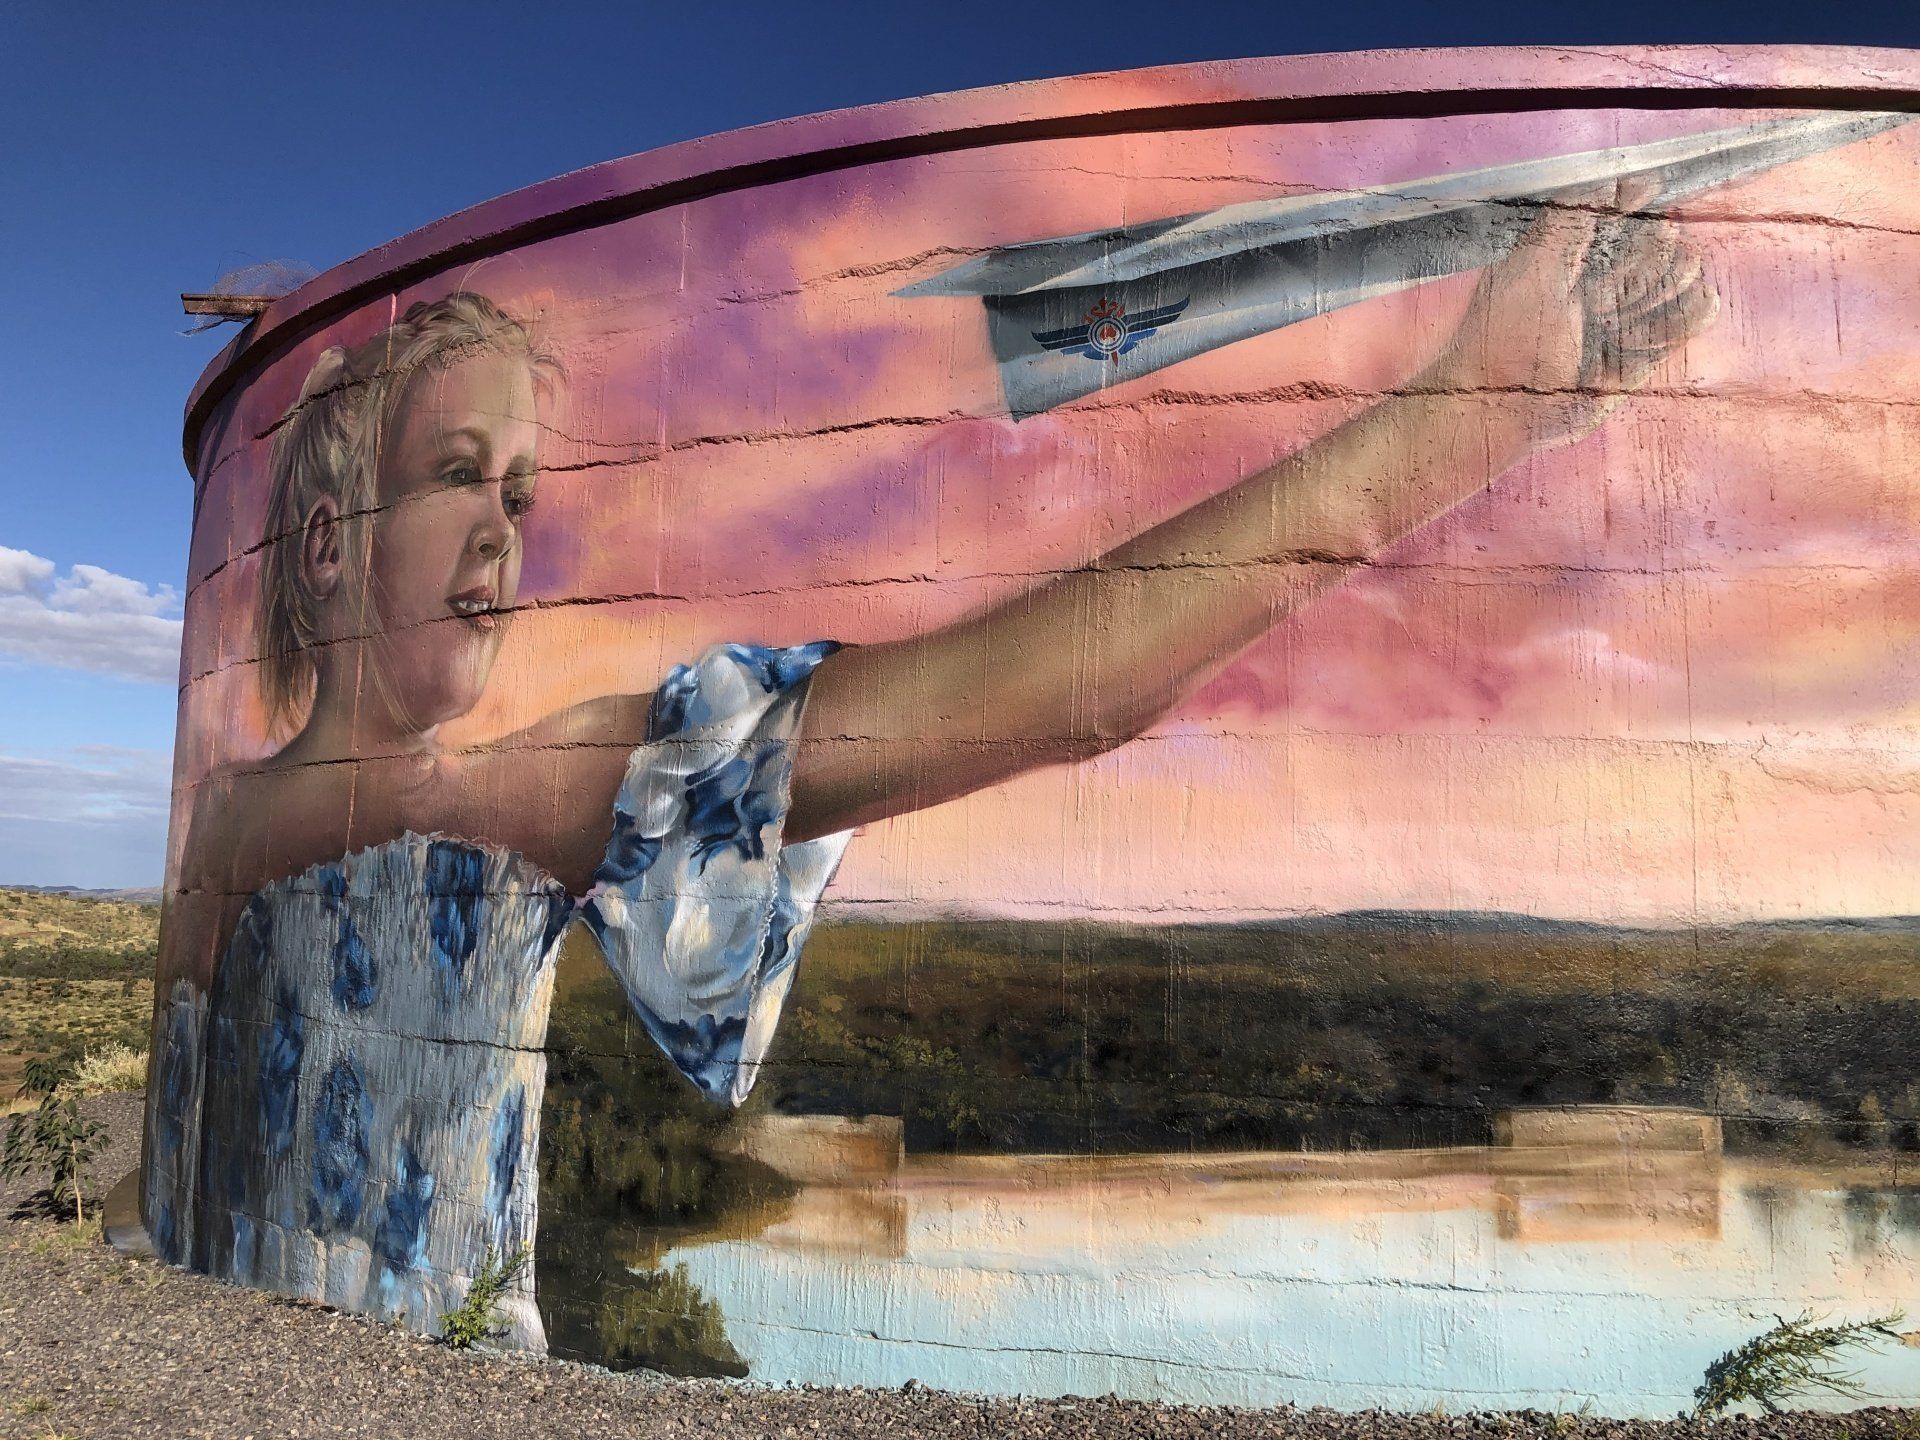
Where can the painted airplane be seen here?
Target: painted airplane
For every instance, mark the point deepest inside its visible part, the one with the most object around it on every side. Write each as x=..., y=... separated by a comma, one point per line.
x=1071, y=316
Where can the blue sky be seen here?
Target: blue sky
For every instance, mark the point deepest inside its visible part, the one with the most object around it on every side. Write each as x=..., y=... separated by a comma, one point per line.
x=144, y=149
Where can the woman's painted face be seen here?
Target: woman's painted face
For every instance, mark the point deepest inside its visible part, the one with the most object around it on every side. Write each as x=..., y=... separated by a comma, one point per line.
x=456, y=478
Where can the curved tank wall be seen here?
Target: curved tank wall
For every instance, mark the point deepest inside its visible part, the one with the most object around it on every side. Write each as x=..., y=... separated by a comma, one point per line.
x=1320, y=656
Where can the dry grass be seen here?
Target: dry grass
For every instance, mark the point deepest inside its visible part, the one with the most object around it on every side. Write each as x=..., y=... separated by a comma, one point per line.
x=116, y=1067
x=76, y=978
x=72, y=938
x=53, y=1017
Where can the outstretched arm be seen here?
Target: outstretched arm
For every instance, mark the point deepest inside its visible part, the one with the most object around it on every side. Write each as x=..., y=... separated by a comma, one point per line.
x=1578, y=314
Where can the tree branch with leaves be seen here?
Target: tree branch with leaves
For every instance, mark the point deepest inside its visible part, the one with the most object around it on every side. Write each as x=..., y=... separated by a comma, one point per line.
x=54, y=1138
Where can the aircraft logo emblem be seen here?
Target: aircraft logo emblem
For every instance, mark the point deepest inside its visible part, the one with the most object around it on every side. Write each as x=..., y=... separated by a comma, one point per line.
x=1109, y=332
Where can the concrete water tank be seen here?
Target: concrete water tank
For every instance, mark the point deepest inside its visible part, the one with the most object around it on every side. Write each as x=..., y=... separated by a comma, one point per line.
x=1241, y=733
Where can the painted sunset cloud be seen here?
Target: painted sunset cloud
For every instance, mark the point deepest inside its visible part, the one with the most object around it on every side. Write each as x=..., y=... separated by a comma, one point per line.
x=1667, y=673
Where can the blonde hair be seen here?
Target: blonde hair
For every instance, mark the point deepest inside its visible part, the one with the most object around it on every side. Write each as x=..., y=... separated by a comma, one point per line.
x=328, y=447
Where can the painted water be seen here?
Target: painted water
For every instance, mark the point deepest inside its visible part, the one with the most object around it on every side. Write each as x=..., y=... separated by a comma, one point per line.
x=1494, y=1174
x=1549, y=1277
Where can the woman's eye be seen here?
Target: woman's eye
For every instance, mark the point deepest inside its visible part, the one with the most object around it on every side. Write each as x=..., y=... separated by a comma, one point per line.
x=519, y=502
x=464, y=475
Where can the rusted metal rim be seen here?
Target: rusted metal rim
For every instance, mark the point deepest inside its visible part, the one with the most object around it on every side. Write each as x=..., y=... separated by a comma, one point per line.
x=1374, y=84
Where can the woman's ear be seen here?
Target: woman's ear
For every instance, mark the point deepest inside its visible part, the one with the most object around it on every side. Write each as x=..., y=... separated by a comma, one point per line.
x=320, y=548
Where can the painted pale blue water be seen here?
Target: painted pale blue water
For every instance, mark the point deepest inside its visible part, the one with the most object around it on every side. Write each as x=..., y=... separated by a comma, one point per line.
x=1403, y=1293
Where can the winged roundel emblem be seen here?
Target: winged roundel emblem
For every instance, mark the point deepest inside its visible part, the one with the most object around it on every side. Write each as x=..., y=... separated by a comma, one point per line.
x=1108, y=331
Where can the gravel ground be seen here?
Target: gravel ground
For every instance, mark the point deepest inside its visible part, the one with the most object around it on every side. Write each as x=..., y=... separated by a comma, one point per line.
x=95, y=1345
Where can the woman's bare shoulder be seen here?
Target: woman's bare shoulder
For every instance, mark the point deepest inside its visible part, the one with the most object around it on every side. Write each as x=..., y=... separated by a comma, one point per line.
x=258, y=821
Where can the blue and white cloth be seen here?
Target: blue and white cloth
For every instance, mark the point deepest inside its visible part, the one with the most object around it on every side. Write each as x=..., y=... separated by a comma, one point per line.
x=351, y=1114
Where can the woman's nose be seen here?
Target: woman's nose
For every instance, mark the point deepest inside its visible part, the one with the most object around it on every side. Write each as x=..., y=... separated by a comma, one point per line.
x=493, y=536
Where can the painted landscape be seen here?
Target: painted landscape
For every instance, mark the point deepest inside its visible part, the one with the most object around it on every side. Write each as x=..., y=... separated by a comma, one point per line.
x=1376, y=1052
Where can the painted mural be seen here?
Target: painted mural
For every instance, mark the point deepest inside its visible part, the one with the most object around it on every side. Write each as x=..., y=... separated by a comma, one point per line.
x=1271, y=763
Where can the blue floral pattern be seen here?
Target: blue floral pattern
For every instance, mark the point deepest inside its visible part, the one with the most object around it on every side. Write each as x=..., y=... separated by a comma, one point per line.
x=351, y=1114
x=700, y=908
x=340, y=1125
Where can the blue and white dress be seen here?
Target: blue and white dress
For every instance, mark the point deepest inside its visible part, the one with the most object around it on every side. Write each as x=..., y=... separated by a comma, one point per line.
x=351, y=1114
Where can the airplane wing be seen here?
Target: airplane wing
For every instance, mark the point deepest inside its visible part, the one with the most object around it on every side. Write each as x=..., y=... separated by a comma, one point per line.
x=1071, y=316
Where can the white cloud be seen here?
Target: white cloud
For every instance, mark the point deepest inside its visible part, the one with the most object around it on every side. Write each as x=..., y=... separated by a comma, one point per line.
x=89, y=815
x=22, y=570
x=88, y=619
x=86, y=785
x=89, y=590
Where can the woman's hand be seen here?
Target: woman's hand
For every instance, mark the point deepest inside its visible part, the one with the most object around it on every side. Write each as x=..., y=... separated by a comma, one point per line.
x=1579, y=313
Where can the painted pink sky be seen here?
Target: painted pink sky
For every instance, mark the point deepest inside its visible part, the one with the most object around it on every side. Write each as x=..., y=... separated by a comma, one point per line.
x=1667, y=674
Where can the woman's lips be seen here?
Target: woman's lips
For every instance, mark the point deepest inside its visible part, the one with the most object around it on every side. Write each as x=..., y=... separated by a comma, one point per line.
x=475, y=606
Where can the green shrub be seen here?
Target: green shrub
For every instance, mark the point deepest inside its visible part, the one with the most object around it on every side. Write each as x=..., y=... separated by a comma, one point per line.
x=478, y=1316
x=53, y=1137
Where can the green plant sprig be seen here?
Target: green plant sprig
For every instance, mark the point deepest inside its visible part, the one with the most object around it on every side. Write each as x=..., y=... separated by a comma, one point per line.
x=478, y=1317
x=1793, y=1358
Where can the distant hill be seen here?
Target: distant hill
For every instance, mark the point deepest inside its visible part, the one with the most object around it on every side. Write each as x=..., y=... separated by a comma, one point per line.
x=1383, y=921
x=141, y=895
x=1510, y=922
